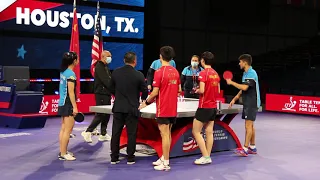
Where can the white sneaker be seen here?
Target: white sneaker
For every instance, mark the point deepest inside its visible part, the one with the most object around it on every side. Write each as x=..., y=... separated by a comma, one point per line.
x=104, y=138
x=202, y=161
x=95, y=132
x=67, y=157
x=59, y=155
x=114, y=162
x=158, y=162
x=162, y=167
x=87, y=136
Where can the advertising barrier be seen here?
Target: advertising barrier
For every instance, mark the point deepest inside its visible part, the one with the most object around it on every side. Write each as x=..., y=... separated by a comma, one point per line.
x=293, y=104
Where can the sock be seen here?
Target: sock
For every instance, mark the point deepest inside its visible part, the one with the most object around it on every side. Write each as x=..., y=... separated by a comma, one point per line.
x=166, y=162
x=252, y=146
x=162, y=158
x=245, y=148
x=207, y=157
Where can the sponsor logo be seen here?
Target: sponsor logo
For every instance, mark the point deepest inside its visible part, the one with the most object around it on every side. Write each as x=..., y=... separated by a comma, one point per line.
x=290, y=105
x=44, y=107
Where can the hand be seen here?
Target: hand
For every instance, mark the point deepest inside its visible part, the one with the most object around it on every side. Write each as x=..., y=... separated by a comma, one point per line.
x=142, y=105
x=75, y=111
x=229, y=81
x=231, y=103
x=149, y=87
x=197, y=91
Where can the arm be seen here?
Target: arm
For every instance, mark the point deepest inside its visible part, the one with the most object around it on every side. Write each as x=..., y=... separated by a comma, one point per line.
x=183, y=76
x=242, y=87
x=202, y=79
x=112, y=85
x=154, y=94
x=143, y=87
x=72, y=96
x=237, y=96
x=156, y=87
x=103, y=75
x=150, y=76
x=201, y=88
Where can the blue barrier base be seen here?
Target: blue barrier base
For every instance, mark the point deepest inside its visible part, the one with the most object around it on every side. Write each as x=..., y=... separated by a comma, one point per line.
x=22, y=121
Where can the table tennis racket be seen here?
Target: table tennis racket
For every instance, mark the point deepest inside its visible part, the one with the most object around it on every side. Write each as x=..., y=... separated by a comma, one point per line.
x=79, y=117
x=227, y=75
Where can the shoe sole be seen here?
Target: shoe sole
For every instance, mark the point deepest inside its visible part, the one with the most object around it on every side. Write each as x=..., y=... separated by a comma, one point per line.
x=130, y=163
x=203, y=163
x=113, y=163
x=162, y=169
x=242, y=155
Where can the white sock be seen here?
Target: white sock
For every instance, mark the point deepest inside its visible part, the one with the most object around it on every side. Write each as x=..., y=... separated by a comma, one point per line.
x=162, y=158
x=166, y=162
x=252, y=146
x=246, y=149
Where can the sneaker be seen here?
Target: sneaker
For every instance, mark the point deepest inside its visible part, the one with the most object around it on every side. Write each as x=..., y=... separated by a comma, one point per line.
x=87, y=136
x=130, y=162
x=95, y=132
x=241, y=152
x=252, y=151
x=115, y=162
x=162, y=167
x=203, y=160
x=59, y=155
x=67, y=157
x=104, y=138
x=72, y=135
x=158, y=162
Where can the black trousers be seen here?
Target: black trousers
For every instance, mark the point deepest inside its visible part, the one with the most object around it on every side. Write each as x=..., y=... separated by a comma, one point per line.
x=131, y=122
x=187, y=94
x=100, y=118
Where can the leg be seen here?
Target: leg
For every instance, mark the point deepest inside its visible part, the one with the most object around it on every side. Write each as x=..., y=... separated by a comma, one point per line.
x=117, y=126
x=104, y=100
x=95, y=122
x=209, y=136
x=104, y=123
x=61, y=132
x=196, y=131
x=68, y=126
x=165, y=135
x=248, y=126
x=253, y=136
x=131, y=125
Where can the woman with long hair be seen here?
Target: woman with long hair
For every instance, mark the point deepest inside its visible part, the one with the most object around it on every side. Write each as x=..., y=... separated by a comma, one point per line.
x=67, y=103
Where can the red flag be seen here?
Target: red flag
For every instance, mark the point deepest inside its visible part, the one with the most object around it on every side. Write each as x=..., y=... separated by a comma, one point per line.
x=74, y=46
x=97, y=43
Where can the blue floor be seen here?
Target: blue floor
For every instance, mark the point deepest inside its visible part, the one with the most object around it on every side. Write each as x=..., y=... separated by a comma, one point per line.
x=288, y=148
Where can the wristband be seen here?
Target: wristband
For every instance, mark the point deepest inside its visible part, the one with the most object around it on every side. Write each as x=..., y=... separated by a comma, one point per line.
x=147, y=103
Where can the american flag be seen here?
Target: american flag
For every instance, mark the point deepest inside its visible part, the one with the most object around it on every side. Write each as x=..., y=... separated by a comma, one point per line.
x=97, y=44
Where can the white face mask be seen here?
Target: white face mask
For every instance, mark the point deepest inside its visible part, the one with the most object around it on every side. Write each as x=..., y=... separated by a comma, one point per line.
x=108, y=60
x=194, y=64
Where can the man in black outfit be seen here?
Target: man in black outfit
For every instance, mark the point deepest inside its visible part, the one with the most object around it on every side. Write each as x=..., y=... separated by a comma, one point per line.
x=102, y=79
x=126, y=83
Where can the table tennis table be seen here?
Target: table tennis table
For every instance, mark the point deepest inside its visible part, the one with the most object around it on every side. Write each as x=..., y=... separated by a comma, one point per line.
x=183, y=142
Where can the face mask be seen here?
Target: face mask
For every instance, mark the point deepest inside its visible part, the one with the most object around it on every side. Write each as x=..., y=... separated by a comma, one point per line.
x=108, y=60
x=194, y=64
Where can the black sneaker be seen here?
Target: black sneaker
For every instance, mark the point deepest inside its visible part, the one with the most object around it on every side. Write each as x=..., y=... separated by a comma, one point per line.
x=131, y=161
x=114, y=161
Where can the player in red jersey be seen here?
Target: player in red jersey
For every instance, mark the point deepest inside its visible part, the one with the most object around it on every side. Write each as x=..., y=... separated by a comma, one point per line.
x=206, y=112
x=166, y=87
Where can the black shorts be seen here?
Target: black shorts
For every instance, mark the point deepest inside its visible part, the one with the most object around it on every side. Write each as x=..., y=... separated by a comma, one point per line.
x=249, y=113
x=65, y=110
x=166, y=120
x=206, y=114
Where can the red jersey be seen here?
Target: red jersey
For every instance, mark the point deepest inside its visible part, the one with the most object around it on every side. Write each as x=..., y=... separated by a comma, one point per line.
x=167, y=79
x=211, y=89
